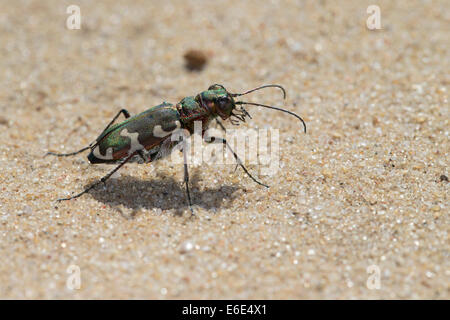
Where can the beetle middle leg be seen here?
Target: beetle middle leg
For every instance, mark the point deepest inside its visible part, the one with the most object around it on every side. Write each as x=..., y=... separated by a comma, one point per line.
x=126, y=114
x=186, y=177
x=102, y=180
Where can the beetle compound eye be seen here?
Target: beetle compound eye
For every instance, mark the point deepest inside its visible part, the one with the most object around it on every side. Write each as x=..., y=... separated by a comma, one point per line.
x=223, y=102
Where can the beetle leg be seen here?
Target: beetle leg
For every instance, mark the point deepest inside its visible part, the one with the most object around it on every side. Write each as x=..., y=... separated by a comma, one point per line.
x=141, y=154
x=67, y=154
x=186, y=178
x=221, y=125
x=126, y=114
x=102, y=180
x=225, y=130
x=238, y=160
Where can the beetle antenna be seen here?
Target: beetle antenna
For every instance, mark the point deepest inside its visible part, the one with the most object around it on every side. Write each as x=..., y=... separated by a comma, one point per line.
x=275, y=108
x=259, y=88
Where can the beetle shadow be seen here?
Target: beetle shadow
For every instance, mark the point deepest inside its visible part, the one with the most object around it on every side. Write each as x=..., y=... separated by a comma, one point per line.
x=164, y=193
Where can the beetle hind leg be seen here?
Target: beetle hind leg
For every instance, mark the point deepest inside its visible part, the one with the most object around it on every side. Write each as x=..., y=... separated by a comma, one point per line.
x=125, y=113
x=67, y=154
x=236, y=157
x=102, y=180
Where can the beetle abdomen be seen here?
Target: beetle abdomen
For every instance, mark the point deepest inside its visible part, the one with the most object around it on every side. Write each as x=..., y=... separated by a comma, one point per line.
x=143, y=131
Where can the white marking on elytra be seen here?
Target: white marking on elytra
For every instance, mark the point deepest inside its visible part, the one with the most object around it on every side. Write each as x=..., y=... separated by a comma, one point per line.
x=134, y=143
x=160, y=133
x=98, y=155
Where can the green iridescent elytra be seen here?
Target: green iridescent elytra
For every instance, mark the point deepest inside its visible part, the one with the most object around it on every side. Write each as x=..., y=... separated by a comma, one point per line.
x=147, y=136
x=148, y=130
x=145, y=131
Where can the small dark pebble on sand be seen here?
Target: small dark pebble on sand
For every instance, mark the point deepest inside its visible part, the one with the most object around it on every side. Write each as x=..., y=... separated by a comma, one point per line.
x=4, y=121
x=195, y=60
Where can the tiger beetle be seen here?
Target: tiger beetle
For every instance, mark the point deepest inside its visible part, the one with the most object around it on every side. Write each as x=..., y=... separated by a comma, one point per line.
x=146, y=137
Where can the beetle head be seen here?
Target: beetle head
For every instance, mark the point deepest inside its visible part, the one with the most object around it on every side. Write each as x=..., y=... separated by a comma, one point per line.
x=217, y=100
x=221, y=102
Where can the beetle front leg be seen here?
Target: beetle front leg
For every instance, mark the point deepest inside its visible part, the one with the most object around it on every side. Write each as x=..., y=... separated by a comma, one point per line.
x=221, y=125
x=126, y=114
x=225, y=131
x=236, y=157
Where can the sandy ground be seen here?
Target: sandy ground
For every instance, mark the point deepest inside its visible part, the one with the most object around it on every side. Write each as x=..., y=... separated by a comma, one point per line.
x=362, y=189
